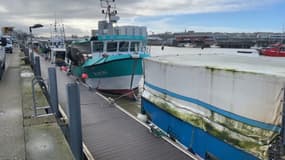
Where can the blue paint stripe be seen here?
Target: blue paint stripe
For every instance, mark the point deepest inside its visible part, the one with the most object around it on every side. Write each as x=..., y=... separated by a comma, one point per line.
x=233, y=116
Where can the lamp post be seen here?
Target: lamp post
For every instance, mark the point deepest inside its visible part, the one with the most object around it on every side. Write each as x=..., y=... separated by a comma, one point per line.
x=33, y=27
x=31, y=34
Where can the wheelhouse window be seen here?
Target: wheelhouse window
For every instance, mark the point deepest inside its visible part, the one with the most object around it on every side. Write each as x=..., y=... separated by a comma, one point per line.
x=135, y=46
x=98, y=46
x=124, y=46
x=84, y=47
x=112, y=46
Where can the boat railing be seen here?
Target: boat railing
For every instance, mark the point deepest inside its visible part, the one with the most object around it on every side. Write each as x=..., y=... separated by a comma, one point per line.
x=146, y=49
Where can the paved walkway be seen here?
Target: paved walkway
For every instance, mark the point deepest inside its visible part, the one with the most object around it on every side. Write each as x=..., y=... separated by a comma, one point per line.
x=26, y=137
x=12, y=145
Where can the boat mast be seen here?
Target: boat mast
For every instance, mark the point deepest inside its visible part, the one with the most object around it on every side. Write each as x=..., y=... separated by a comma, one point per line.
x=51, y=35
x=110, y=12
x=282, y=35
x=57, y=33
x=63, y=30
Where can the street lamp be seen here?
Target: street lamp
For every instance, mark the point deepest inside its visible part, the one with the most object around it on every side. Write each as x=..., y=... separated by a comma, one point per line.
x=35, y=26
x=32, y=54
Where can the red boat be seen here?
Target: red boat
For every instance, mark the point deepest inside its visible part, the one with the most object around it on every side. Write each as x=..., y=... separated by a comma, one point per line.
x=275, y=50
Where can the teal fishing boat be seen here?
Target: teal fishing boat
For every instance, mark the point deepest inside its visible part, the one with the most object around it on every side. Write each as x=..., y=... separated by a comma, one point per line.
x=111, y=60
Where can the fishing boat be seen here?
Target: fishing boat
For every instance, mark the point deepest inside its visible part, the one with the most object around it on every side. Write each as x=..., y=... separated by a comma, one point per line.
x=218, y=106
x=111, y=60
x=275, y=50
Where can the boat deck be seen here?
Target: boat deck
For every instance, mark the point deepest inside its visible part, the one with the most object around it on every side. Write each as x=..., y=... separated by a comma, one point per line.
x=223, y=61
x=110, y=133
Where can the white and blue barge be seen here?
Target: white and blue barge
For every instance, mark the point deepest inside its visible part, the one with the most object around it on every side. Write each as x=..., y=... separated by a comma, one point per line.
x=218, y=106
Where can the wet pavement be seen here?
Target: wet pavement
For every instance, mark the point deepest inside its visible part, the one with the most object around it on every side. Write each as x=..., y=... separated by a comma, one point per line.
x=12, y=145
x=22, y=136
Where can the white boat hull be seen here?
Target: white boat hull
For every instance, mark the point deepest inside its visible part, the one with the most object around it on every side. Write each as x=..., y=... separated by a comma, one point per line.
x=230, y=98
x=115, y=84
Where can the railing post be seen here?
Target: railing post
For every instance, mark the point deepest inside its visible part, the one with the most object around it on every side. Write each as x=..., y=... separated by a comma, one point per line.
x=27, y=56
x=37, y=67
x=32, y=59
x=73, y=98
x=283, y=119
x=53, y=90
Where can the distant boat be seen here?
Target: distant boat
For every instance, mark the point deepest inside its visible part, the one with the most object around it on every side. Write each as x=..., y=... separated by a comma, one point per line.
x=111, y=61
x=275, y=50
x=246, y=52
x=189, y=45
x=214, y=46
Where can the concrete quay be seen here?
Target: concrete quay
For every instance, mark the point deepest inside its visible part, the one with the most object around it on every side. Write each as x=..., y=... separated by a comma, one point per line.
x=23, y=136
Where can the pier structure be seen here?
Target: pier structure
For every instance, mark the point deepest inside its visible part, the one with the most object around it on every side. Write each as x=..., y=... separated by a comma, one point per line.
x=110, y=132
x=223, y=40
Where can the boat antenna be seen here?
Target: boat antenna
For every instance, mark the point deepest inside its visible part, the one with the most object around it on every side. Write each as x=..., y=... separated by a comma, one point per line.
x=109, y=10
x=55, y=25
x=282, y=35
x=63, y=30
x=51, y=36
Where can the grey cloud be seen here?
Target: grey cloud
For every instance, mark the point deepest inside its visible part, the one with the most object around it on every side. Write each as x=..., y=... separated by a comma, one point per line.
x=22, y=12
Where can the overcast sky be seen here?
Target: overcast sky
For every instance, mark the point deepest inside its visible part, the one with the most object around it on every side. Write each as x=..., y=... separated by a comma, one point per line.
x=80, y=16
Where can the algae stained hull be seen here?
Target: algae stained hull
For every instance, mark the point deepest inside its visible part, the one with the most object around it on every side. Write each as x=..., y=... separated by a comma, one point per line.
x=215, y=103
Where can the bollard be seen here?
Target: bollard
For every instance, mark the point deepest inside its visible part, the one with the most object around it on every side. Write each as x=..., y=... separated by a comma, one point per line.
x=32, y=59
x=283, y=119
x=27, y=58
x=37, y=67
x=53, y=90
x=73, y=99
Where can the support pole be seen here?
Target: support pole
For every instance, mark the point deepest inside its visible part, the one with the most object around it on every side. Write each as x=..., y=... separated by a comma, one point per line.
x=32, y=60
x=53, y=92
x=37, y=67
x=283, y=119
x=32, y=51
x=73, y=98
x=27, y=58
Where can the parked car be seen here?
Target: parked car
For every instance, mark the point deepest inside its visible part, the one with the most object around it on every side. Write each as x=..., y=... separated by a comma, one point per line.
x=3, y=43
x=9, y=44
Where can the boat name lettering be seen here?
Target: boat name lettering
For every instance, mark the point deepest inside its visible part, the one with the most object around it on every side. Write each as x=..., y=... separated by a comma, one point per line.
x=100, y=73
